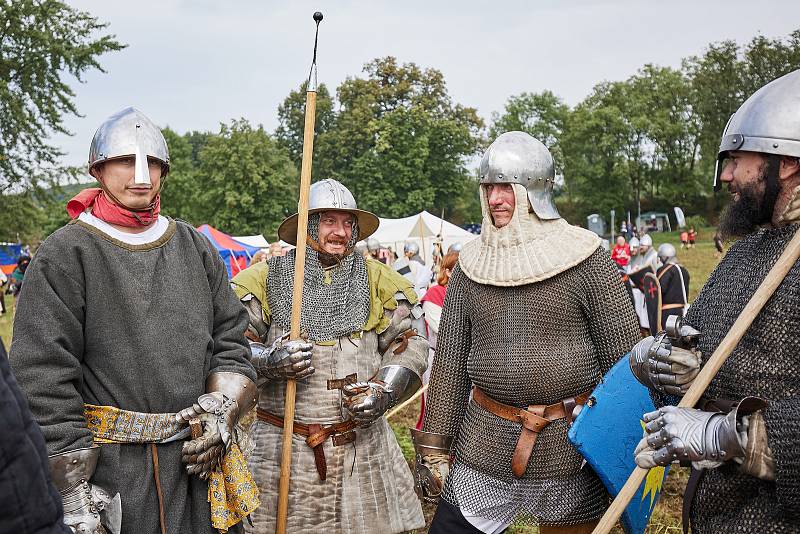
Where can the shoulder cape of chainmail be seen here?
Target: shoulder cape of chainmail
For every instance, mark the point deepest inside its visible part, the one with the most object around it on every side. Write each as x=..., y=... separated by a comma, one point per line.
x=526, y=250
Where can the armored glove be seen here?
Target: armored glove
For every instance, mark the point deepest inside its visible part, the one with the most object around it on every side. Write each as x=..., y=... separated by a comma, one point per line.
x=367, y=401
x=432, y=463
x=707, y=439
x=230, y=395
x=660, y=366
x=88, y=508
x=218, y=414
x=284, y=359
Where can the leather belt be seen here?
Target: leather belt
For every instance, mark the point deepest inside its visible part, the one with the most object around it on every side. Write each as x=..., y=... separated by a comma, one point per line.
x=672, y=306
x=533, y=419
x=340, y=433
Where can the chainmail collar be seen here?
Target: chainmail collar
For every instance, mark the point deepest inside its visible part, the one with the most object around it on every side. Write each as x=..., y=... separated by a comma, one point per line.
x=526, y=250
x=336, y=299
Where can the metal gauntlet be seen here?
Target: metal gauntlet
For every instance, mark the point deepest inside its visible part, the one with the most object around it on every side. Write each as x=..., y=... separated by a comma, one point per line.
x=283, y=360
x=367, y=401
x=432, y=463
x=87, y=508
x=230, y=395
x=659, y=365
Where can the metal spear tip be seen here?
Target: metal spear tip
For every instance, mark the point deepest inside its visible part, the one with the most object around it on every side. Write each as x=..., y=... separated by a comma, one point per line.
x=318, y=16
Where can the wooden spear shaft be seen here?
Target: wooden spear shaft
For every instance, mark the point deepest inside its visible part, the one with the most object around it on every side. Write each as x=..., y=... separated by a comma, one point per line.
x=710, y=369
x=297, y=289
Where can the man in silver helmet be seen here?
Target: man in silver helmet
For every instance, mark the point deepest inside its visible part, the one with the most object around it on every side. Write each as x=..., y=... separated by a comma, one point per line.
x=126, y=335
x=643, y=263
x=673, y=280
x=374, y=249
x=360, y=355
x=413, y=269
x=742, y=438
x=535, y=315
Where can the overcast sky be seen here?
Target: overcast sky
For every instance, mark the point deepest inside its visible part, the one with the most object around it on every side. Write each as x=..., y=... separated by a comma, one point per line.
x=193, y=64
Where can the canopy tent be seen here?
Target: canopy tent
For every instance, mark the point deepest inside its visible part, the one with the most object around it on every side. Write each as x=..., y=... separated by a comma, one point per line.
x=235, y=254
x=422, y=228
x=9, y=252
x=252, y=240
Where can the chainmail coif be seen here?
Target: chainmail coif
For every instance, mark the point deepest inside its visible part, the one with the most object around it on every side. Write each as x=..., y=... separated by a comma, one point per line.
x=765, y=363
x=532, y=344
x=335, y=300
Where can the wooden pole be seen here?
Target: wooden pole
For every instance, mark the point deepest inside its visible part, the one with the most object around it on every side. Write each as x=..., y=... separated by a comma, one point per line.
x=297, y=288
x=405, y=403
x=710, y=369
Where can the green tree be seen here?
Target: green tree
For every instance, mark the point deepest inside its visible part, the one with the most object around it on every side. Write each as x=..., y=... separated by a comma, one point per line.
x=248, y=181
x=394, y=137
x=543, y=115
x=291, y=119
x=183, y=188
x=42, y=44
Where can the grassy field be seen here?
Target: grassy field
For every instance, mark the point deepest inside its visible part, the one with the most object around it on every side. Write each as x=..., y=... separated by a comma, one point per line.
x=699, y=261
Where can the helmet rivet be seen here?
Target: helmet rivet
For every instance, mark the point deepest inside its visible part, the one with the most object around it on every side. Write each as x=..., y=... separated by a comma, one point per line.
x=774, y=145
x=540, y=178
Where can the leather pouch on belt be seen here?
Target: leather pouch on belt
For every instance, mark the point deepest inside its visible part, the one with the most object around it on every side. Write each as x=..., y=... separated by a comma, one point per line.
x=532, y=423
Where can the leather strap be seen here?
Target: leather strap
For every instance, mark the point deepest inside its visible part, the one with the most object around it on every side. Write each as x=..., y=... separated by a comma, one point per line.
x=161, y=517
x=533, y=419
x=688, y=496
x=402, y=341
x=316, y=435
x=664, y=271
x=672, y=306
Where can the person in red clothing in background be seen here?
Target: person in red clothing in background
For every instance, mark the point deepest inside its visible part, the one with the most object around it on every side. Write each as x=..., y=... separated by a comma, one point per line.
x=621, y=253
x=432, y=304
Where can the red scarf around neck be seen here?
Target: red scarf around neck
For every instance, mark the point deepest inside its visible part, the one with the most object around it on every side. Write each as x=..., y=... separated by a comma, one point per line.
x=104, y=209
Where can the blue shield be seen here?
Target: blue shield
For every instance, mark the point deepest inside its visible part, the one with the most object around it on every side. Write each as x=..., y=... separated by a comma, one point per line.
x=606, y=433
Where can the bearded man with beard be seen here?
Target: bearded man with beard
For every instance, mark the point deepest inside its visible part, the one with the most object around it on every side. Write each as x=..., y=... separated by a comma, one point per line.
x=742, y=438
x=359, y=356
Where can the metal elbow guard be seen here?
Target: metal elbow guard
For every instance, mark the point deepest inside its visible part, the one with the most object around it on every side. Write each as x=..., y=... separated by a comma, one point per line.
x=87, y=507
x=401, y=382
x=236, y=387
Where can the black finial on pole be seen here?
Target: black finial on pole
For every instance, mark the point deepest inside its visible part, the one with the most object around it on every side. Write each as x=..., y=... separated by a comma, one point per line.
x=312, y=72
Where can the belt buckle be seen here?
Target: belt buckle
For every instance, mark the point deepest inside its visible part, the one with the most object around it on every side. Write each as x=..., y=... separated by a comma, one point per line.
x=339, y=383
x=343, y=439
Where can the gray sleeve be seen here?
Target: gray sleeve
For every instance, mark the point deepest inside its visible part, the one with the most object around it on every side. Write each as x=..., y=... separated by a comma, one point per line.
x=449, y=385
x=231, y=348
x=612, y=320
x=47, y=351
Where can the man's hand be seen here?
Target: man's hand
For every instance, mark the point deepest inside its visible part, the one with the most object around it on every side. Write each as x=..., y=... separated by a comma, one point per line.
x=660, y=366
x=218, y=414
x=430, y=472
x=674, y=434
x=283, y=360
x=367, y=401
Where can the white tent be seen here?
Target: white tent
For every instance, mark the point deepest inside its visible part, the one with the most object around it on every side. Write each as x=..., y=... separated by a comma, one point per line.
x=423, y=229
x=252, y=240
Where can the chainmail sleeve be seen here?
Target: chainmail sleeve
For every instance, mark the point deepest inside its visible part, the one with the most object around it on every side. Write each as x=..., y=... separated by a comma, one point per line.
x=612, y=320
x=449, y=386
x=783, y=429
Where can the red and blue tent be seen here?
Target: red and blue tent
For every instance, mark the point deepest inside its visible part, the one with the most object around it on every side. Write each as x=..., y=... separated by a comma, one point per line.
x=235, y=254
x=9, y=252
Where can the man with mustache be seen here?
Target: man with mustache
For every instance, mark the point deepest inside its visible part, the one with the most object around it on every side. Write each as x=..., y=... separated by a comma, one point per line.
x=535, y=315
x=360, y=354
x=127, y=332
x=742, y=440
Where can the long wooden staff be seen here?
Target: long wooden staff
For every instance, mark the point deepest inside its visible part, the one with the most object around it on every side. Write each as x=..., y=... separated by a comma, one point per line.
x=710, y=369
x=297, y=289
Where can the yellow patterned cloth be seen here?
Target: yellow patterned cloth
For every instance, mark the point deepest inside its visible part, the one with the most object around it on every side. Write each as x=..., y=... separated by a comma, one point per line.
x=232, y=493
